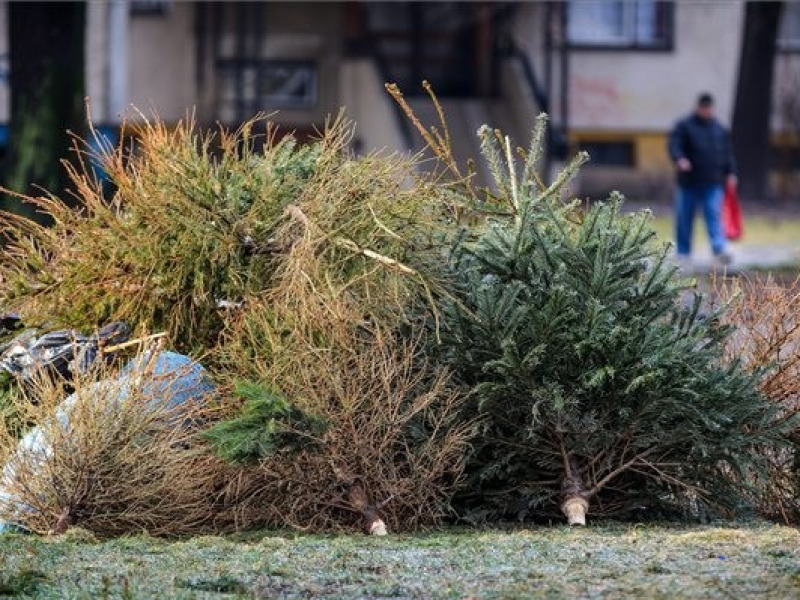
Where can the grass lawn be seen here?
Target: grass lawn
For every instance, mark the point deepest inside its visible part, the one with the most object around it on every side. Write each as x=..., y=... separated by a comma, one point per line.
x=754, y=560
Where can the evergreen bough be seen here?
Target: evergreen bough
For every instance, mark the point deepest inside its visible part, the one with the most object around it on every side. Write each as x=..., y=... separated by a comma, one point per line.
x=266, y=424
x=598, y=388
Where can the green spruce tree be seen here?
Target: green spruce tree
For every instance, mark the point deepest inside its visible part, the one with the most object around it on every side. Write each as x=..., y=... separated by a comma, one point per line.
x=597, y=388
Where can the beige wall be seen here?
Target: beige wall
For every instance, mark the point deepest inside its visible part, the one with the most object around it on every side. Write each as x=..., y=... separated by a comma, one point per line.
x=637, y=95
x=643, y=90
x=648, y=90
x=162, y=55
x=528, y=33
x=292, y=31
x=621, y=91
x=161, y=59
x=96, y=49
x=160, y=62
x=369, y=105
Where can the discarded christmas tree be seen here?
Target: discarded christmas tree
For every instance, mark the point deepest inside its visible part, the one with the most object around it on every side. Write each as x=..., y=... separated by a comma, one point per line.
x=599, y=390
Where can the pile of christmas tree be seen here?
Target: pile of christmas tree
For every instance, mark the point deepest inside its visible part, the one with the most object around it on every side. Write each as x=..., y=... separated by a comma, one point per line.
x=394, y=347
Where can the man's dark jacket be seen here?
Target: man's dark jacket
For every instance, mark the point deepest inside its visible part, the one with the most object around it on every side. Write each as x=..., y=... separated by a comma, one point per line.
x=707, y=145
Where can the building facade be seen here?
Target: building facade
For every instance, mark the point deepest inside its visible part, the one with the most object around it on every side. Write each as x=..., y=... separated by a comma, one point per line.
x=613, y=74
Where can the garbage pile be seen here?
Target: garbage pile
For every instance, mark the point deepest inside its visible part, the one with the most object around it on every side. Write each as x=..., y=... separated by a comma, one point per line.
x=165, y=381
x=65, y=353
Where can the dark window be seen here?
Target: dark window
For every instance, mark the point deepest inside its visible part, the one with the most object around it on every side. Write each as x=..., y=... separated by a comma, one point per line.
x=248, y=77
x=445, y=43
x=609, y=154
x=150, y=7
x=621, y=24
x=785, y=157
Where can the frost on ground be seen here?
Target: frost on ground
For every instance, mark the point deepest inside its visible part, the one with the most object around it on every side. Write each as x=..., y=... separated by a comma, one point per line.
x=606, y=561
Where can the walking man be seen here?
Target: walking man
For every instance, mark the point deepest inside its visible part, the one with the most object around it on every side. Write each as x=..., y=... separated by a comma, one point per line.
x=701, y=149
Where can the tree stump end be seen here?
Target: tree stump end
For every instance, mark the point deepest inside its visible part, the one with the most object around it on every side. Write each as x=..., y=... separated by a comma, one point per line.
x=575, y=510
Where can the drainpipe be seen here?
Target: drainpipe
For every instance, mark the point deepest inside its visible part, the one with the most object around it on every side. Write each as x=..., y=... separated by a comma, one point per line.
x=118, y=25
x=564, y=72
x=548, y=82
x=107, y=132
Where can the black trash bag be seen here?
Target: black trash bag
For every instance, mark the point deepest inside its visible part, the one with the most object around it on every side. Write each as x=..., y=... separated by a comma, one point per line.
x=9, y=322
x=65, y=353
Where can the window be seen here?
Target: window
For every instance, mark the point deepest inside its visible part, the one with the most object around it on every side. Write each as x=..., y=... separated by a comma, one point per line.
x=436, y=41
x=248, y=86
x=789, y=34
x=609, y=154
x=255, y=66
x=150, y=7
x=626, y=24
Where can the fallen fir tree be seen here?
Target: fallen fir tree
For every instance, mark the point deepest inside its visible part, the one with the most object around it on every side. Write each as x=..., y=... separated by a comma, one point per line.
x=122, y=453
x=191, y=228
x=355, y=426
x=597, y=389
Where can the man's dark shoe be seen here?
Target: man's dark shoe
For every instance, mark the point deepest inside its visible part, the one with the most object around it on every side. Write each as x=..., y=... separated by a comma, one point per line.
x=723, y=258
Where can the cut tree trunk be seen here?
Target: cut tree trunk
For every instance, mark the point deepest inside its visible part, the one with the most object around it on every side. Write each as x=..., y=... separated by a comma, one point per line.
x=573, y=494
x=63, y=523
x=359, y=499
x=575, y=509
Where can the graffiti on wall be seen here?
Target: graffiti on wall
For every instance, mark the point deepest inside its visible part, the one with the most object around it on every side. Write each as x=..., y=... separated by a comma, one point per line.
x=596, y=100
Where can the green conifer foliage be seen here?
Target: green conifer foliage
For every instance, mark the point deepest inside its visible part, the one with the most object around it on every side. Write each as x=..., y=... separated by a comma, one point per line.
x=597, y=387
x=266, y=424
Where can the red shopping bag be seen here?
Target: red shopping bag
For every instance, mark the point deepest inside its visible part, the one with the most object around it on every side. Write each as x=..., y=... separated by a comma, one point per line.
x=732, y=214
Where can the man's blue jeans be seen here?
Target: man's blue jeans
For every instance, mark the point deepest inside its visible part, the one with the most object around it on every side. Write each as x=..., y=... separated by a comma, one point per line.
x=687, y=199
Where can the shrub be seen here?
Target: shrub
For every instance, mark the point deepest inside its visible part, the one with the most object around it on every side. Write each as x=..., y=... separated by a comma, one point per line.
x=294, y=270
x=766, y=339
x=391, y=448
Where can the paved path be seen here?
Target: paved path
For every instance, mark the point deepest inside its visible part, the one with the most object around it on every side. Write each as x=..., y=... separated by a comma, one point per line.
x=747, y=257
x=772, y=238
